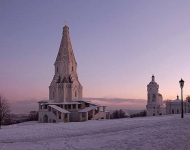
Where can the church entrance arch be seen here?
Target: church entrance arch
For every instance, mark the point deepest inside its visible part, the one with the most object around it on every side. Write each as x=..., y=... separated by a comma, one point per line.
x=45, y=119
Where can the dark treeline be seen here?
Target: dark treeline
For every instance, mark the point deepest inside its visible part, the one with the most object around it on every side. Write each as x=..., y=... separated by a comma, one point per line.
x=15, y=119
x=140, y=114
x=118, y=114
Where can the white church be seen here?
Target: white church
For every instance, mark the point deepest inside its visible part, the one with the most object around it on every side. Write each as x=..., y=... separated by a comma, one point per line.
x=155, y=105
x=174, y=106
x=65, y=102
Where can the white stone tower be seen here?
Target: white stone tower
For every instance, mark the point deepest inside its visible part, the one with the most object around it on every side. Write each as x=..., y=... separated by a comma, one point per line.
x=65, y=86
x=154, y=105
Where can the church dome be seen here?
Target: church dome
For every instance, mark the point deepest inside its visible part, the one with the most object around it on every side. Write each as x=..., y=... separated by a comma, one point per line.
x=152, y=85
x=177, y=100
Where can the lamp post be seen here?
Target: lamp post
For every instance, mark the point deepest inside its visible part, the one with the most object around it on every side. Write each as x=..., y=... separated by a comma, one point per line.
x=0, y=111
x=181, y=82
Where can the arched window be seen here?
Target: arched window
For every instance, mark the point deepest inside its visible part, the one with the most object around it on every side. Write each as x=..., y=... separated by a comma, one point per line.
x=177, y=111
x=72, y=68
x=153, y=97
x=53, y=94
x=75, y=93
x=148, y=96
x=172, y=111
x=57, y=69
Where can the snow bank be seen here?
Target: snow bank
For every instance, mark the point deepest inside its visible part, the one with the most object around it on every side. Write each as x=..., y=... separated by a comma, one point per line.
x=149, y=133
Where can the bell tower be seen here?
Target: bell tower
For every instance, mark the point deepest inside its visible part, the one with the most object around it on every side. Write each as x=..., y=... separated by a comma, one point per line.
x=65, y=85
x=154, y=99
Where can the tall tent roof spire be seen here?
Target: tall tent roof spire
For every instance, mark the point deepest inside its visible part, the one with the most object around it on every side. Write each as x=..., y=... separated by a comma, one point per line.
x=65, y=50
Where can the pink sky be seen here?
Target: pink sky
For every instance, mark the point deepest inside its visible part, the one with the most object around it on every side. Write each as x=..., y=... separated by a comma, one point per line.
x=118, y=45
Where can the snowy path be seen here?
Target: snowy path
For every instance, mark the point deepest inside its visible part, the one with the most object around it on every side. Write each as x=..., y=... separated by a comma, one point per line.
x=149, y=133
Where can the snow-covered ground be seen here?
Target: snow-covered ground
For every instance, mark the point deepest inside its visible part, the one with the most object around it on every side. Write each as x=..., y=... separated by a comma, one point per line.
x=149, y=133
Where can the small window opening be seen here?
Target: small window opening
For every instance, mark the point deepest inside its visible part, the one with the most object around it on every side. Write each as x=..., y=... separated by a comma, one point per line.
x=65, y=115
x=83, y=115
x=75, y=93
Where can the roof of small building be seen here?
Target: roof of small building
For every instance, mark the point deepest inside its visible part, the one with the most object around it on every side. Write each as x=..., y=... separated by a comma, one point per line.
x=82, y=101
x=64, y=103
x=46, y=101
x=90, y=103
x=59, y=109
x=88, y=108
x=52, y=102
x=176, y=100
x=55, y=103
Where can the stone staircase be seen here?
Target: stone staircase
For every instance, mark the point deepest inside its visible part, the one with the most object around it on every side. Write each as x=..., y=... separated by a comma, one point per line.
x=99, y=115
x=52, y=116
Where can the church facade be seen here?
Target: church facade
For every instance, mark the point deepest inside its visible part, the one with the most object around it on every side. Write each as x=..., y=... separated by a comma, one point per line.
x=155, y=105
x=174, y=106
x=65, y=102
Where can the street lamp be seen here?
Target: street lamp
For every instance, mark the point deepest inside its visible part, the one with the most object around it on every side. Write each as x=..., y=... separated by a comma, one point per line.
x=181, y=82
x=0, y=107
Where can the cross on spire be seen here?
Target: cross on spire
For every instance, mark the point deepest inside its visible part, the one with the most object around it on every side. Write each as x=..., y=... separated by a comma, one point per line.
x=66, y=23
x=153, y=78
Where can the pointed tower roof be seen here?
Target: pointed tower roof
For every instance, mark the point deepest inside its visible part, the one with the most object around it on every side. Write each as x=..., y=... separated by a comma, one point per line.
x=153, y=82
x=153, y=78
x=65, y=50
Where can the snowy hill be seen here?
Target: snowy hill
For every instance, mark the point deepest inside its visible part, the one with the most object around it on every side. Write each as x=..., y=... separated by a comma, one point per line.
x=149, y=133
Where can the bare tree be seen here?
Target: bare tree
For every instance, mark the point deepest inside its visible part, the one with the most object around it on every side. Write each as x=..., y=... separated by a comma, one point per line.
x=188, y=98
x=4, y=108
x=118, y=114
x=33, y=116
